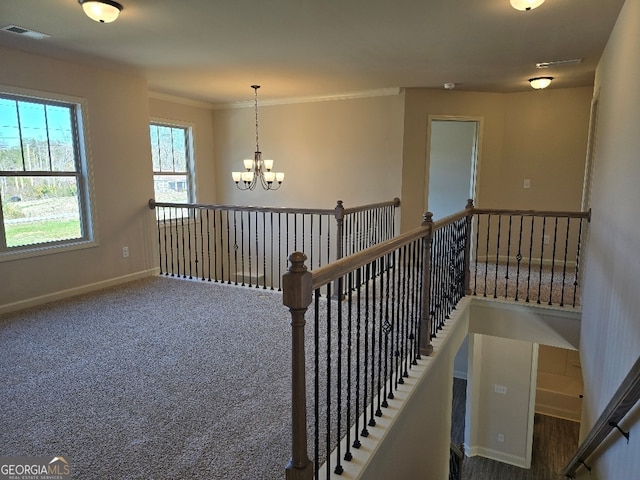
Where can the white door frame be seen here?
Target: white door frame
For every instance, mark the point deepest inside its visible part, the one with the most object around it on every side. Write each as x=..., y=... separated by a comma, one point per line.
x=475, y=164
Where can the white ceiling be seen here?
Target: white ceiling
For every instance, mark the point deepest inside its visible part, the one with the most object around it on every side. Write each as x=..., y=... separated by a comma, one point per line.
x=213, y=51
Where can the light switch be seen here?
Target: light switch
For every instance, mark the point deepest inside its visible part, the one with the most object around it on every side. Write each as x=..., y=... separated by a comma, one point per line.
x=527, y=183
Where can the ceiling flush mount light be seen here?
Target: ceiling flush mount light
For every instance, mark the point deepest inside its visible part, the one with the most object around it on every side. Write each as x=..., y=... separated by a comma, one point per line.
x=540, y=82
x=526, y=5
x=257, y=170
x=103, y=11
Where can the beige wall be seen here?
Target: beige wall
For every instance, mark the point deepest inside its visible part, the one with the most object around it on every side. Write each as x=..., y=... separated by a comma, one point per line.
x=118, y=136
x=348, y=150
x=360, y=150
x=540, y=135
x=610, y=338
x=200, y=118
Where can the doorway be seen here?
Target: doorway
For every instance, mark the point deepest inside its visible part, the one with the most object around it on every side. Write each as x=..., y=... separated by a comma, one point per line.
x=453, y=155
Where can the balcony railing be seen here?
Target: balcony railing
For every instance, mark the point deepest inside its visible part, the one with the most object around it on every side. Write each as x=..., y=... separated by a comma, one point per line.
x=248, y=246
x=364, y=345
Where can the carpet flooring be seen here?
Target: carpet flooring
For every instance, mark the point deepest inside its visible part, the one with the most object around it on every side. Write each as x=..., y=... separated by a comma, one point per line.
x=129, y=383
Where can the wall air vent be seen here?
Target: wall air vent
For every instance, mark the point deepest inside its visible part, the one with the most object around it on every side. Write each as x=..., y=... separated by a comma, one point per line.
x=25, y=32
x=558, y=63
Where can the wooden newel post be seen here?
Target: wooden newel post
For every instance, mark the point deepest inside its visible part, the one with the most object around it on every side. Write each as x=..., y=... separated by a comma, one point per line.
x=425, y=328
x=297, y=295
x=467, y=248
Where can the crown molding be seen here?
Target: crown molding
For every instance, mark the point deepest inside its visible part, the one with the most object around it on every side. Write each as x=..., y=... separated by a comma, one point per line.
x=381, y=92
x=182, y=100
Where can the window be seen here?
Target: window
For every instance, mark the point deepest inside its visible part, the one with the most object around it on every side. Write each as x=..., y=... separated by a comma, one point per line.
x=43, y=179
x=172, y=163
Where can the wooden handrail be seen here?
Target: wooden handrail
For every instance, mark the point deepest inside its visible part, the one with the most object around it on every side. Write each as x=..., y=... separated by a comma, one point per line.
x=392, y=203
x=316, y=211
x=533, y=213
x=621, y=403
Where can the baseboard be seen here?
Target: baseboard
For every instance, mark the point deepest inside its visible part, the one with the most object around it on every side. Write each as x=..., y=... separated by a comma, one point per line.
x=460, y=374
x=72, y=292
x=496, y=455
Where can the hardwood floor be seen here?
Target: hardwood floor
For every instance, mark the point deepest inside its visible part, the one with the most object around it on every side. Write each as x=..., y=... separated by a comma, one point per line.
x=554, y=442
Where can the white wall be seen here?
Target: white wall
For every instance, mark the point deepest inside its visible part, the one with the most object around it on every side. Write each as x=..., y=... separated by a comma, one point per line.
x=512, y=365
x=610, y=339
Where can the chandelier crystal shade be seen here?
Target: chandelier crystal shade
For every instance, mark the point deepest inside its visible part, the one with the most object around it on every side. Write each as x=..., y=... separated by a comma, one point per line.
x=103, y=11
x=256, y=170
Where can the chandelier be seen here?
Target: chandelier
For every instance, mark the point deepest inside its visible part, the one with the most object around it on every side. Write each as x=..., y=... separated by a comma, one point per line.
x=257, y=170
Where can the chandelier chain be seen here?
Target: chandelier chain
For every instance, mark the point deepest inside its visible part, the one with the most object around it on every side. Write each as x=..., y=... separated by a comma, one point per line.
x=255, y=89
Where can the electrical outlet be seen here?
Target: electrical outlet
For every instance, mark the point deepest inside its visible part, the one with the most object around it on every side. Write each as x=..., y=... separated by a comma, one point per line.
x=526, y=183
x=501, y=437
x=125, y=252
x=501, y=389
x=547, y=239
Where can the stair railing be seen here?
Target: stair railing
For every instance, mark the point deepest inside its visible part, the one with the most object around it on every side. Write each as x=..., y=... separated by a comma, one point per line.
x=248, y=246
x=620, y=404
x=366, y=344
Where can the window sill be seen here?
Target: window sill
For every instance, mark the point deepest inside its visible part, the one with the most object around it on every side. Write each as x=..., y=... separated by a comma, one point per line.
x=40, y=250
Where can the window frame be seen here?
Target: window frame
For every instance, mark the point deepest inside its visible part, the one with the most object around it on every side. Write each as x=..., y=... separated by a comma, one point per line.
x=82, y=172
x=190, y=156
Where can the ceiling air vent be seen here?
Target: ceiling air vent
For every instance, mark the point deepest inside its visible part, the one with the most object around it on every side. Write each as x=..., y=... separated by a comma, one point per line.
x=25, y=32
x=558, y=63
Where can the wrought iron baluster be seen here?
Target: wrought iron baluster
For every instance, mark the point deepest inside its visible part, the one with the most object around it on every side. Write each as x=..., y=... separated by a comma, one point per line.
x=553, y=260
x=316, y=384
x=190, y=250
x=164, y=228
x=328, y=387
x=394, y=325
x=338, y=470
x=575, y=280
x=356, y=441
x=271, y=250
x=564, y=263
x=311, y=218
x=228, y=247
x=506, y=276
x=530, y=258
x=519, y=258
x=209, y=256
x=184, y=258
x=486, y=254
x=372, y=421
x=387, y=329
x=495, y=285
x=477, y=249
x=380, y=317
x=200, y=216
x=405, y=315
x=347, y=454
x=544, y=225
x=365, y=378
x=279, y=251
x=235, y=245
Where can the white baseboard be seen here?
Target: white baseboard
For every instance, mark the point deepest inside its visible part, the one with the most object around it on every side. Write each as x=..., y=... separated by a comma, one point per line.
x=71, y=292
x=460, y=374
x=496, y=455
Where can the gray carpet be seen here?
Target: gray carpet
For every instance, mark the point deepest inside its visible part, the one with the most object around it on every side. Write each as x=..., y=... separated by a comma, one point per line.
x=159, y=379
x=532, y=285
